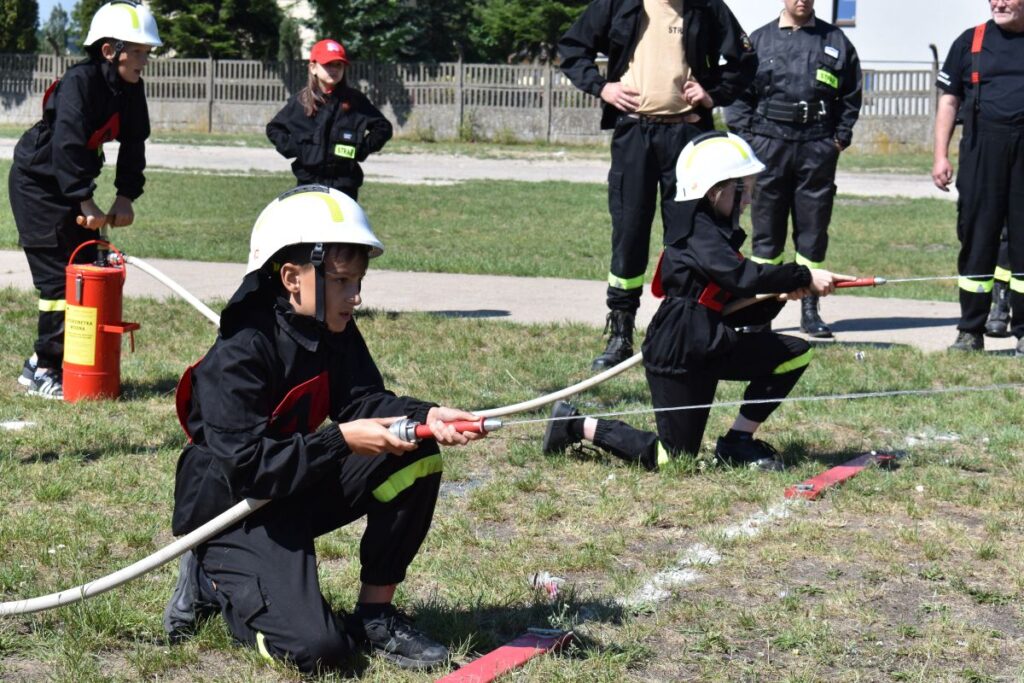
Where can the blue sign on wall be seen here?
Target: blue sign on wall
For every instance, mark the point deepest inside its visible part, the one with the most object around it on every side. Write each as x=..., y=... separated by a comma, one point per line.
x=846, y=12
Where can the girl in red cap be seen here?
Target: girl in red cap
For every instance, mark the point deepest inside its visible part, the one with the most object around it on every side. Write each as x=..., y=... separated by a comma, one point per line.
x=328, y=127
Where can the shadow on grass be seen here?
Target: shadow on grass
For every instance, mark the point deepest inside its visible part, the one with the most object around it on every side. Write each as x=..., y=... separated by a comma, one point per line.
x=479, y=313
x=487, y=627
x=159, y=388
x=87, y=455
x=890, y=323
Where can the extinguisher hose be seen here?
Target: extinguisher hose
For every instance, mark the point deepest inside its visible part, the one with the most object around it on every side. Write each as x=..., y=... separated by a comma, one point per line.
x=174, y=287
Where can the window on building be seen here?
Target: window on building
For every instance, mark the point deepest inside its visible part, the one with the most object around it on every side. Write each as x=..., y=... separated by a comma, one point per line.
x=845, y=12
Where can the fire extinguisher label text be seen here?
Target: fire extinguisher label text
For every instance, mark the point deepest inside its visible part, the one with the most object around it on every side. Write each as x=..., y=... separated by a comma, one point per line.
x=80, y=335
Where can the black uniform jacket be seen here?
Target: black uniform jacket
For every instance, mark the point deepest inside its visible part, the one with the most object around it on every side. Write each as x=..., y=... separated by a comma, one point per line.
x=327, y=146
x=701, y=270
x=61, y=156
x=813, y=64
x=1001, y=70
x=254, y=408
x=612, y=27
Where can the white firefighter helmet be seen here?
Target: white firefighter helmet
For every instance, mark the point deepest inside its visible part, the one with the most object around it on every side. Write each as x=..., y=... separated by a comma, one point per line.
x=309, y=214
x=124, y=20
x=711, y=158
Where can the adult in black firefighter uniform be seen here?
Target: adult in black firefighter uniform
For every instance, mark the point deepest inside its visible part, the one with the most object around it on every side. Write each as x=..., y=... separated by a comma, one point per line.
x=669, y=63
x=982, y=82
x=56, y=163
x=691, y=343
x=329, y=127
x=798, y=116
x=289, y=356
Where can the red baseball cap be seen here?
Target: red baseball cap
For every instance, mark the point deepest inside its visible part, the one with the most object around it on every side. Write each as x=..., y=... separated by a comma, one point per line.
x=327, y=51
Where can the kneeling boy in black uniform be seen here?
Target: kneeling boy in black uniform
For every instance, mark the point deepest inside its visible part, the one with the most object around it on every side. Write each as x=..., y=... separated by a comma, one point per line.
x=690, y=345
x=289, y=356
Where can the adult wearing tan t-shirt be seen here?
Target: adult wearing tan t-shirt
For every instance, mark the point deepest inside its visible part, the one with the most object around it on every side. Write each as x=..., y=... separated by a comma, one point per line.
x=669, y=63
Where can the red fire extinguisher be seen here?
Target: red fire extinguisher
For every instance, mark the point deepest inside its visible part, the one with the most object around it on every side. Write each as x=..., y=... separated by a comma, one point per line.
x=93, y=325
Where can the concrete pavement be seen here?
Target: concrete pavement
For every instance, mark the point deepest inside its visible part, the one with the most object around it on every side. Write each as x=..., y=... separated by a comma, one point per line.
x=927, y=325
x=449, y=168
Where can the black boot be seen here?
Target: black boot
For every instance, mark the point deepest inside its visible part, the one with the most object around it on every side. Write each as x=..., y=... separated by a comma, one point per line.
x=968, y=341
x=562, y=431
x=811, y=323
x=620, y=340
x=998, y=323
x=191, y=601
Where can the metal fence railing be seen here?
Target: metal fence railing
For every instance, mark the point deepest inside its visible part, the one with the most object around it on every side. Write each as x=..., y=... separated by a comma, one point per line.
x=537, y=96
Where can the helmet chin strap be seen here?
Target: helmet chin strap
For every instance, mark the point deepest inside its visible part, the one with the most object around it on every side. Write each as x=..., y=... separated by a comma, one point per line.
x=737, y=203
x=317, y=259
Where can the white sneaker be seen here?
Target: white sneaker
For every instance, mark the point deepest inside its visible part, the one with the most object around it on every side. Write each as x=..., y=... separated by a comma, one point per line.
x=47, y=383
x=28, y=370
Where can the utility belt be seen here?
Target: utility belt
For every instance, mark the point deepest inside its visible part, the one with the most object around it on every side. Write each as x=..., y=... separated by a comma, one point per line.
x=711, y=297
x=794, y=112
x=666, y=119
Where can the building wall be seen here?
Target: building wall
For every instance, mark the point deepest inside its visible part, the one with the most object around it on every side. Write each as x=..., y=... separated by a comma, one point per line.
x=888, y=33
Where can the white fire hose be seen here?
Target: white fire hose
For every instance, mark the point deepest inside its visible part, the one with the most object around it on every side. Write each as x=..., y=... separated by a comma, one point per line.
x=243, y=509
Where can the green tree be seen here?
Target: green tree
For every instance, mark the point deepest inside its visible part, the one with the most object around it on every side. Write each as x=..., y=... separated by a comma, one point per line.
x=289, y=45
x=370, y=30
x=81, y=17
x=223, y=29
x=55, y=31
x=18, y=19
x=521, y=30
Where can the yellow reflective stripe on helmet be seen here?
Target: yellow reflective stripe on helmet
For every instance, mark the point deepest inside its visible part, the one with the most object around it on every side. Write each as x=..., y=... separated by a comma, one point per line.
x=407, y=476
x=792, y=364
x=804, y=261
x=692, y=159
x=770, y=261
x=131, y=11
x=625, y=283
x=828, y=78
x=332, y=205
x=975, y=286
x=1016, y=285
x=664, y=457
x=261, y=646
x=52, y=305
x=1002, y=274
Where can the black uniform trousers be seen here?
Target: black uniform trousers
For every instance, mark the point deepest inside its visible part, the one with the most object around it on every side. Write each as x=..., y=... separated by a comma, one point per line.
x=644, y=155
x=799, y=181
x=48, y=257
x=772, y=363
x=991, y=187
x=265, y=568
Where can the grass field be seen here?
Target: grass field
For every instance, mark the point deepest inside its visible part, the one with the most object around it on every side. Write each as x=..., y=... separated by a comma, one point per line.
x=524, y=229
x=915, y=574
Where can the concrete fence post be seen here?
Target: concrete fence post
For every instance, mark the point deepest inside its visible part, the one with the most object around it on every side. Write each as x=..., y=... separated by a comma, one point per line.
x=548, y=96
x=210, y=68
x=460, y=98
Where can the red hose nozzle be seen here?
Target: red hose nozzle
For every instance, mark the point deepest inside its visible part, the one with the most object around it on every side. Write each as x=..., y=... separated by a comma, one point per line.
x=412, y=431
x=861, y=282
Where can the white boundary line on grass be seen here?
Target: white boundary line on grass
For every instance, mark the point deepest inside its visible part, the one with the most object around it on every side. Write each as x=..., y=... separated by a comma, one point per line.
x=686, y=570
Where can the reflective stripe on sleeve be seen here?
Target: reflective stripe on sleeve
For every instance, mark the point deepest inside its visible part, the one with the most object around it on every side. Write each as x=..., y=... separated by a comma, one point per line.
x=792, y=364
x=407, y=476
x=625, y=283
x=52, y=305
x=976, y=286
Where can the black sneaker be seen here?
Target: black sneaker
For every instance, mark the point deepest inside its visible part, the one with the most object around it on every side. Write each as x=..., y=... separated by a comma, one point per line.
x=189, y=603
x=557, y=437
x=748, y=452
x=392, y=636
x=47, y=383
x=28, y=371
x=968, y=341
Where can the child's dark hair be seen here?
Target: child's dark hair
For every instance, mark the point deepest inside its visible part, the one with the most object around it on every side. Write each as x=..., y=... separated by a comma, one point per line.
x=301, y=255
x=312, y=97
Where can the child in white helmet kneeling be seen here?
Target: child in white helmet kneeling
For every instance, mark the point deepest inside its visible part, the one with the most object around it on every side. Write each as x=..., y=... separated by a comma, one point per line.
x=691, y=343
x=288, y=357
x=52, y=180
